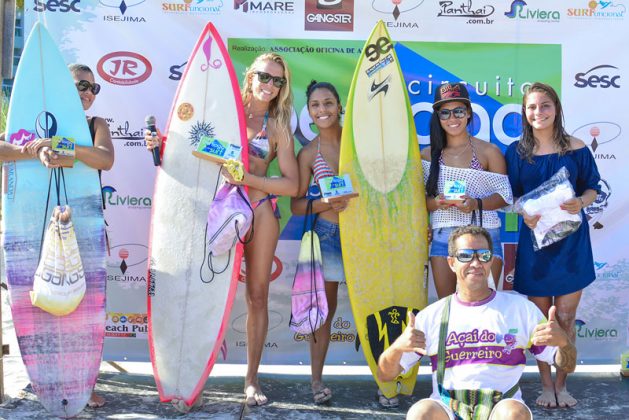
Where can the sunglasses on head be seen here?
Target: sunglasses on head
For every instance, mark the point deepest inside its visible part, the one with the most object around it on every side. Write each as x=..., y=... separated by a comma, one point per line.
x=459, y=112
x=83, y=85
x=467, y=255
x=266, y=77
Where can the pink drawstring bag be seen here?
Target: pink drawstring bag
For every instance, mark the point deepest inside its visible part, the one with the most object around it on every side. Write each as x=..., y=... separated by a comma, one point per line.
x=228, y=220
x=309, y=305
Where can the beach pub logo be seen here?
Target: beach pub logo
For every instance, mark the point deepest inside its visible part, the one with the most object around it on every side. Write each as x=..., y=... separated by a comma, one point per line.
x=329, y=15
x=264, y=6
x=473, y=12
x=520, y=10
x=122, y=6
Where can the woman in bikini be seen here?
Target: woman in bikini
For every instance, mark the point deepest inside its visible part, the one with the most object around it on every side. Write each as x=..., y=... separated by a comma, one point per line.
x=320, y=159
x=267, y=99
x=454, y=155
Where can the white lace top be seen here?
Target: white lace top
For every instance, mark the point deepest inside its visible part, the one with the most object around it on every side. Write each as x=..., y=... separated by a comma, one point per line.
x=480, y=184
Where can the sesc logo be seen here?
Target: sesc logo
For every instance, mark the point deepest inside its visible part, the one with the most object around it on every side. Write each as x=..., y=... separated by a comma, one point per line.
x=62, y=6
x=124, y=68
x=599, y=77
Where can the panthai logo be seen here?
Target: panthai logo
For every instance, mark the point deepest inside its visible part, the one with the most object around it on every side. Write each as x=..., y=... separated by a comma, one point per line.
x=121, y=8
x=397, y=9
x=598, y=10
x=594, y=333
x=125, y=133
x=209, y=7
x=474, y=12
x=329, y=15
x=602, y=76
x=265, y=6
x=63, y=6
x=124, y=68
x=520, y=10
x=112, y=198
x=597, y=134
x=594, y=211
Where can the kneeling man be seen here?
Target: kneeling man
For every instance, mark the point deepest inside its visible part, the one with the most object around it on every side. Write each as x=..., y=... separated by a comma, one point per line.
x=476, y=340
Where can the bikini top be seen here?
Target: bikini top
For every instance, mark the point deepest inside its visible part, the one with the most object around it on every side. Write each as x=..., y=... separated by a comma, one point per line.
x=320, y=168
x=259, y=146
x=474, y=163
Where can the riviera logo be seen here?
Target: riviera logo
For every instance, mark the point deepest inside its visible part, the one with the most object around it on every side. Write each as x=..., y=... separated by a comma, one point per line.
x=520, y=11
x=595, y=333
x=112, y=198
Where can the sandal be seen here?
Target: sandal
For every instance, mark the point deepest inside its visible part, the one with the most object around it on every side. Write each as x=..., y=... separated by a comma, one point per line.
x=321, y=396
x=387, y=402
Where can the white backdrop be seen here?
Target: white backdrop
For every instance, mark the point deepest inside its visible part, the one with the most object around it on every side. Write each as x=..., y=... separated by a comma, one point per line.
x=138, y=49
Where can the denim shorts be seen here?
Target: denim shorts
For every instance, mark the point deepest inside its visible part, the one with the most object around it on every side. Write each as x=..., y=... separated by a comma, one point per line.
x=331, y=254
x=439, y=244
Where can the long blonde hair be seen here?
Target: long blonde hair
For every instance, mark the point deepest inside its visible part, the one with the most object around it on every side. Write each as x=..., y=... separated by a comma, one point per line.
x=526, y=144
x=281, y=107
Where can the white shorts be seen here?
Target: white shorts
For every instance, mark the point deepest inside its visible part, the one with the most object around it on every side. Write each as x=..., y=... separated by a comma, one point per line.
x=451, y=414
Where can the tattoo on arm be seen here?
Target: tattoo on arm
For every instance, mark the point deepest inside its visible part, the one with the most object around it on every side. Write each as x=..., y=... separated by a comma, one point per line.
x=566, y=358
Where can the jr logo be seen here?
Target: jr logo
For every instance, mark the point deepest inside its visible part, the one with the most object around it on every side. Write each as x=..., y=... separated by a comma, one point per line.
x=124, y=68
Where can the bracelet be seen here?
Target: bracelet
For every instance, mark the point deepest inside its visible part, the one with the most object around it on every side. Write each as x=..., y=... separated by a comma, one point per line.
x=263, y=184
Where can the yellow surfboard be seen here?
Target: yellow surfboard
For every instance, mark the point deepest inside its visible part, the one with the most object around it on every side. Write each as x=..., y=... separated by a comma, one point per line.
x=384, y=229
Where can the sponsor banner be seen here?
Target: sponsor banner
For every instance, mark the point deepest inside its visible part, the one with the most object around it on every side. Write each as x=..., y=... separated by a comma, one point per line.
x=138, y=50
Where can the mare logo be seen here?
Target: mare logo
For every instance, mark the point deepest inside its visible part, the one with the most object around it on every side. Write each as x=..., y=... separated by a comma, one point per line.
x=597, y=134
x=122, y=6
x=112, y=198
x=385, y=326
x=212, y=7
x=124, y=68
x=261, y=6
x=63, y=6
x=128, y=255
x=594, y=333
x=594, y=211
x=520, y=11
x=176, y=71
x=329, y=15
x=466, y=9
x=602, y=77
x=598, y=10
x=45, y=125
x=376, y=88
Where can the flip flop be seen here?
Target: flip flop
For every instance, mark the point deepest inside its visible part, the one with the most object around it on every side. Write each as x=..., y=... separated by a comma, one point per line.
x=387, y=402
x=322, y=396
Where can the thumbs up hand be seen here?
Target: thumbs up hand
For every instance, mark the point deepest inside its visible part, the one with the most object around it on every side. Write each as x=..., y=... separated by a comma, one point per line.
x=411, y=339
x=550, y=333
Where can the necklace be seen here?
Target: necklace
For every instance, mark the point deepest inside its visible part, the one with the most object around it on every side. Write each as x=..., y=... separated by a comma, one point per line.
x=460, y=153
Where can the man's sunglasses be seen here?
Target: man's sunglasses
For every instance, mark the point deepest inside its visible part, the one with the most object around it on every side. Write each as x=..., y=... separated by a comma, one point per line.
x=266, y=77
x=83, y=85
x=467, y=255
x=459, y=112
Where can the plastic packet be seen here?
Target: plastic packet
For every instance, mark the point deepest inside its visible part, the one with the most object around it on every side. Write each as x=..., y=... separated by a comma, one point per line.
x=545, y=200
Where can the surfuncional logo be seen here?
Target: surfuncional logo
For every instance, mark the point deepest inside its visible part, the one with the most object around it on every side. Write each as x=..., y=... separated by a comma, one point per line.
x=193, y=6
x=473, y=12
x=598, y=10
x=329, y=15
x=63, y=6
x=121, y=6
x=262, y=6
x=519, y=10
x=124, y=68
x=602, y=76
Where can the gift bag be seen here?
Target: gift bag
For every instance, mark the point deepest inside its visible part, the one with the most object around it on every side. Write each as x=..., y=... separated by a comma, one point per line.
x=309, y=305
x=228, y=219
x=59, y=283
x=545, y=200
